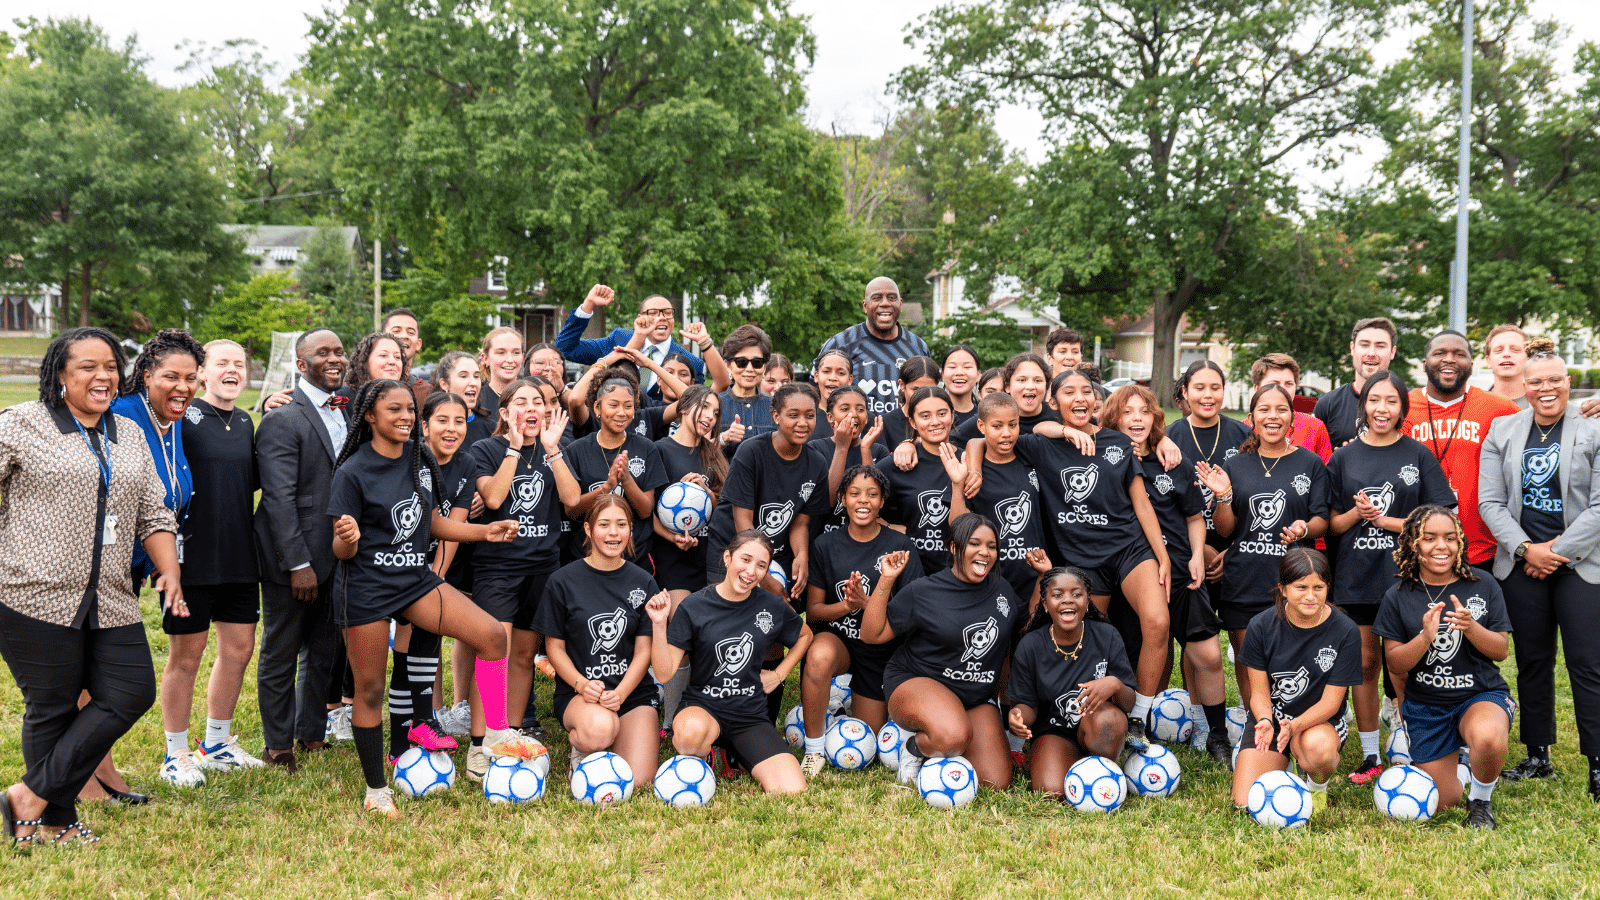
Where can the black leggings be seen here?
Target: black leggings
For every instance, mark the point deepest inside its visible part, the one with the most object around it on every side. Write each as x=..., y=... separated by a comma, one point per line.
x=53, y=665
x=1539, y=609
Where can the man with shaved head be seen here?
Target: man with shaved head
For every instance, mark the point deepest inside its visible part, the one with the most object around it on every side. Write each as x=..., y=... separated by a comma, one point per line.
x=878, y=346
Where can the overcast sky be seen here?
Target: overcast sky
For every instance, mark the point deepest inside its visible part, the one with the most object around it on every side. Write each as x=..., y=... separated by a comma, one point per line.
x=860, y=45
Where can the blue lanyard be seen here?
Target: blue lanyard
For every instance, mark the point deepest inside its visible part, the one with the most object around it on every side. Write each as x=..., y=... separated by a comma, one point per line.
x=103, y=461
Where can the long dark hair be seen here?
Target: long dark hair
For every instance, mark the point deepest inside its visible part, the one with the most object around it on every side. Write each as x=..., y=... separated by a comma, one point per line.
x=166, y=342
x=361, y=433
x=1400, y=386
x=356, y=373
x=1252, y=443
x=1297, y=563
x=713, y=465
x=60, y=350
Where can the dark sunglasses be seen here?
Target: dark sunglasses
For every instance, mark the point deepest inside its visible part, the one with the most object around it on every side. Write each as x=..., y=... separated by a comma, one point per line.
x=745, y=362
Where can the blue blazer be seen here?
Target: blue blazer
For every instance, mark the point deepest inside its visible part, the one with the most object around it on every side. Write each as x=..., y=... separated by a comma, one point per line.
x=576, y=348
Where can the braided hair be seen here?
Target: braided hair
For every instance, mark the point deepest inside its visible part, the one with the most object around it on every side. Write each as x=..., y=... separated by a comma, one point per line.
x=610, y=377
x=356, y=374
x=55, y=359
x=360, y=433
x=166, y=342
x=1407, y=557
x=1040, y=618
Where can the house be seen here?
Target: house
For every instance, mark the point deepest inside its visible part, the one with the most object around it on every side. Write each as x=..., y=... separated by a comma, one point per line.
x=949, y=299
x=28, y=310
x=530, y=314
x=1134, y=350
x=277, y=248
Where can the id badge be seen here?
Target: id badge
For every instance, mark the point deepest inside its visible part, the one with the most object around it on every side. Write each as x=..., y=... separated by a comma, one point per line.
x=108, y=534
x=181, y=539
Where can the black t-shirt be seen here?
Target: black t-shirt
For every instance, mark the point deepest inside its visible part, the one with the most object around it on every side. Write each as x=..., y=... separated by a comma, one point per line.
x=532, y=501
x=959, y=418
x=1086, y=498
x=1215, y=445
x=895, y=428
x=1262, y=507
x=967, y=430
x=835, y=519
x=835, y=556
x=775, y=489
x=590, y=463
x=1340, y=410
x=391, y=559
x=1397, y=478
x=1175, y=496
x=1301, y=662
x=478, y=428
x=1010, y=498
x=679, y=461
x=1542, y=514
x=650, y=423
x=726, y=643
x=1048, y=682
x=919, y=501
x=457, y=478
x=599, y=615
x=953, y=632
x=1452, y=670
x=218, y=543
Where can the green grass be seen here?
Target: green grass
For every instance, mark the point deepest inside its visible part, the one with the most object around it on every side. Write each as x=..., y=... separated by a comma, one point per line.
x=23, y=346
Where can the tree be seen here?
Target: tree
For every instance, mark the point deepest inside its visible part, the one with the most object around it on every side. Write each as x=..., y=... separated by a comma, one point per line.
x=250, y=312
x=330, y=278
x=104, y=187
x=1174, y=120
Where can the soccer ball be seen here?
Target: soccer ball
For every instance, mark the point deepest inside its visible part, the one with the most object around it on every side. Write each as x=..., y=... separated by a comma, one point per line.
x=512, y=780
x=1238, y=720
x=1169, y=717
x=776, y=571
x=1154, y=772
x=947, y=782
x=839, y=695
x=1279, y=800
x=1407, y=793
x=602, y=778
x=794, y=726
x=849, y=744
x=684, y=507
x=890, y=740
x=418, y=773
x=1399, y=748
x=1095, y=784
x=685, y=781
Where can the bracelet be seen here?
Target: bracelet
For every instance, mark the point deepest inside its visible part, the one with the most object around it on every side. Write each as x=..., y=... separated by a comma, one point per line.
x=513, y=453
x=553, y=457
x=909, y=441
x=707, y=347
x=598, y=365
x=1227, y=499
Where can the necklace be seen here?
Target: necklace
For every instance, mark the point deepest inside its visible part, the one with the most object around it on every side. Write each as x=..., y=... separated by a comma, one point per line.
x=1214, y=441
x=1263, y=461
x=154, y=419
x=1434, y=598
x=1433, y=432
x=1544, y=433
x=227, y=424
x=1073, y=656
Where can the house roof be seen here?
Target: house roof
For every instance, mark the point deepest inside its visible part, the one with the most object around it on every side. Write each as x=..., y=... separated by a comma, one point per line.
x=1012, y=308
x=283, y=242
x=1146, y=324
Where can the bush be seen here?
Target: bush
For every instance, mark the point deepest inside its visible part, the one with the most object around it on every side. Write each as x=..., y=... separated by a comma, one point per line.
x=1593, y=378
x=250, y=312
x=1576, y=376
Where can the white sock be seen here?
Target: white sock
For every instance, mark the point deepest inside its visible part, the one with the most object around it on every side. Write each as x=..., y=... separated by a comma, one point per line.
x=1141, y=706
x=217, y=731
x=813, y=744
x=1312, y=784
x=1014, y=742
x=1369, y=742
x=1481, y=791
x=177, y=742
x=1197, y=715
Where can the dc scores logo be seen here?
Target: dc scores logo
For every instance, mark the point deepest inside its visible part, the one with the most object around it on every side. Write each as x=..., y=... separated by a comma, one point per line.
x=526, y=491
x=1289, y=685
x=764, y=621
x=1539, y=463
x=1446, y=643
x=734, y=653
x=979, y=637
x=1069, y=708
x=773, y=518
x=636, y=466
x=1381, y=497
x=1326, y=657
x=1164, y=484
x=1266, y=510
x=1013, y=513
x=606, y=631
x=1080, y=481
x=1409, y=474
x=405, y=516
x=932, y=506
x=1113, y=454
x=636, y=598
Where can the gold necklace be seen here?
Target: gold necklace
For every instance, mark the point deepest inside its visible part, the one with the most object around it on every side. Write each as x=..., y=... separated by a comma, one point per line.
x=1073, y=656
x=1544, y=434
x=1215, y=439
x=1263, y=461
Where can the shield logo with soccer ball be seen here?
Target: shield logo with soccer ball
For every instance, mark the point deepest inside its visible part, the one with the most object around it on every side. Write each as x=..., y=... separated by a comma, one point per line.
x=979, y=637
x=606, y=629
x=734, y=653
x=525, y=493
x=405, y=517
x=1068, y=707
x=1080, y=481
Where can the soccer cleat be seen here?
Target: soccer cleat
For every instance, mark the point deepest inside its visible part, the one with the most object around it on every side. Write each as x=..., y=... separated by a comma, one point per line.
x=1221, y=753
x=227, y=756
x=1594, y=784
x=1019, y=760
x=720, y=765
x=477, y=763
x=910, y=766
x=1529, y=769
x=1480, y=814
x=381, y=801
x=542, y=663
x=338, y=728
x=511, y=742
x=1369, y=769
x=1389, y=714
x=180, y=770
x=429, y=736
x=455, y=720
x=813, y=765
x=1198, y=737
x=1136, y=740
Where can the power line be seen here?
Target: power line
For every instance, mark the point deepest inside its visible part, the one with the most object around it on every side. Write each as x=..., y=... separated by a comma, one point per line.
x=287, y=196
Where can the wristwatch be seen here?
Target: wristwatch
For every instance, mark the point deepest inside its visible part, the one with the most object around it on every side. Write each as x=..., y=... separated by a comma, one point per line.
x=1522, y=549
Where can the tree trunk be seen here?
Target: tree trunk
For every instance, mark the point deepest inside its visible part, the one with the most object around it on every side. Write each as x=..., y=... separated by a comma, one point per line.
x=83, y=299
x=65, y=314
x=1166, y=314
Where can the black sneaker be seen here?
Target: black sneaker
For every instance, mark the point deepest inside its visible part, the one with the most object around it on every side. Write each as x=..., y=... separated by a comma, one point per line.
x=1137, y=742
x=1480, y=815
x=530, y=726
x=1594, y=784
x=1529, y=769
x=1221, y=753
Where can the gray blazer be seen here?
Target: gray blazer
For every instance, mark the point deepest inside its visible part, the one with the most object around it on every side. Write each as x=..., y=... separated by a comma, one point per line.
x=1500, y=490
x=295, y=457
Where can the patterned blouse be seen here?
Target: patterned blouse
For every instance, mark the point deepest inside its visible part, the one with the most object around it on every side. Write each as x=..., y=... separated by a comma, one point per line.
x=53, y=564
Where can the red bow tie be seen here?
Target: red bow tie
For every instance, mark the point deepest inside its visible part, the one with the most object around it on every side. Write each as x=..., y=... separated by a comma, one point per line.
x=336, y=402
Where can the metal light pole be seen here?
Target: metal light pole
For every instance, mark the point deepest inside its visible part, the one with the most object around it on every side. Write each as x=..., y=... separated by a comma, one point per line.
x=1458, y=273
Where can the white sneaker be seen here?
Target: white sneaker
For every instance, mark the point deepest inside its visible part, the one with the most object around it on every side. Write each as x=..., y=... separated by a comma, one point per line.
x=456, y=720
x=227, y=756
x=477, y=763
x=1387, y=714
x=381, y=802
x=181, y=771
x=511, y=742
x=813, y=765
x=1198, y=738
x=910, y=766
x=339, y=725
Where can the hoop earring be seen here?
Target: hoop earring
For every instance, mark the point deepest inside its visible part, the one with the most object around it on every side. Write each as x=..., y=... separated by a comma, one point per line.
x=63, y=391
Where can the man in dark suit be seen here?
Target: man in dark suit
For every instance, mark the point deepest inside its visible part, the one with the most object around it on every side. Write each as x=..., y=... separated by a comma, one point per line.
x=651, y=336
x=295, y=449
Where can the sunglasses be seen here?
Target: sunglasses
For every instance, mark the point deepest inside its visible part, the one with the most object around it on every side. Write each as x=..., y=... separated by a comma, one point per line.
x=745, y=362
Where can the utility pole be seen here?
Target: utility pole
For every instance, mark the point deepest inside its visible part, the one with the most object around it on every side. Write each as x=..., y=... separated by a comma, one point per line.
x=377, y=270
x=1458, y=272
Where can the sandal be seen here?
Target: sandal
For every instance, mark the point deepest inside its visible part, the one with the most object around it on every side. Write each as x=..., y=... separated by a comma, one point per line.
x=12, y=824
x=128, y=798
x=76, y=833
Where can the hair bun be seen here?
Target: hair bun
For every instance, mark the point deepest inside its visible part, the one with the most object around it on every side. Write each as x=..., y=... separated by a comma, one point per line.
x=1540, y=344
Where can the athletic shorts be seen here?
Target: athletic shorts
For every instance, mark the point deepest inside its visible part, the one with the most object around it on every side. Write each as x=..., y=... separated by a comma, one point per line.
x=1360, y=613
x=1190, y=613
x=644, y=695
x=1106, y=578
x=751, y=741
x=510, y=598
x=236, y=603
x=1247, y=738
x=1041, y=729
x=866, y=666
x=891, y=683
x=1237, y=616
x=1435, y=731
x=351, y=611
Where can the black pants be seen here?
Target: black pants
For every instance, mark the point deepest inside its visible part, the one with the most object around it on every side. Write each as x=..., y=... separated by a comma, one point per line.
x=1539, y=609
x=297, y=638
x=53, y=665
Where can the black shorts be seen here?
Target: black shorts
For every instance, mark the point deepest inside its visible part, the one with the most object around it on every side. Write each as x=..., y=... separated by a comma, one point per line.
x=1236, y=617
x=1247, y=737
x=1190, y=612
x=866, y=669
x=1360, y=613
x=893, y=680
x=1041, y=728
x=1107, y=577
x=237, y=603
x=677, y=570
x=646, y=694
x=510, y=598
x=751, y=741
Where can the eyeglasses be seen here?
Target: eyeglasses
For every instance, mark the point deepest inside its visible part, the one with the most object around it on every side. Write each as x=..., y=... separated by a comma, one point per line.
x=745, y=362
x=1542, y=384
x=656, y=313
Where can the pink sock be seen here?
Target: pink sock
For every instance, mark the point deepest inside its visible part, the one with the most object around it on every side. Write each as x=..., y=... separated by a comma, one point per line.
x=490, y=679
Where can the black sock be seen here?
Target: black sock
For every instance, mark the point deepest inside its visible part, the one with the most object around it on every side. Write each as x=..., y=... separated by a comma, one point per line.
x=912, y=747
x=477, y=740
x=400, y=705
x=1594, y=763
x=369, y=746
x=424, y=666
x=1540, y=752
x=1216, y=718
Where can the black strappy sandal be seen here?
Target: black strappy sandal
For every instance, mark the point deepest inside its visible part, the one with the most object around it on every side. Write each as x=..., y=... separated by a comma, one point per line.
x=126, y=798
x=12, y=824
x=76, y=833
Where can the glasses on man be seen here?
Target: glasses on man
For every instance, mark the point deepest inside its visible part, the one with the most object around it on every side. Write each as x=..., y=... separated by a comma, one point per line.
x=1547, y=384
x=656, y=313
x=745, y=362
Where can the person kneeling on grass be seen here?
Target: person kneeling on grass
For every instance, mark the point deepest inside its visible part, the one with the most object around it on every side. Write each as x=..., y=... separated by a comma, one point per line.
x=1444, y=649
x=725, y=632
x=1071, y=686
x=1313, y=654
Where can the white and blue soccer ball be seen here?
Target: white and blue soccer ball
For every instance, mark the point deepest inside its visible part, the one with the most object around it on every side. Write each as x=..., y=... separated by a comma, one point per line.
x=1279, y=800
x=1154, y=772
x=890, y=739
x=684, y=507
x=602, y=777
x=849, y=744
x=513, y=780
x=685, y=781
x=1407, y=793
x=839, y=695
x=418, y=773
x=794, y=726
x=1095, y=784
x=1169, y=716
x=947, y=782
x=1238, y=719
x=1398, y=750
x=776, y=571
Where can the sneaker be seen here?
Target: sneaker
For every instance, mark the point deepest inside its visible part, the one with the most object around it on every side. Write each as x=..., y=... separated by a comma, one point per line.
x=511, y=742
x=227, y=756
x=910, y=766
x=813, y=765
x=429, y=736
x=1369, y=769
x=1480, y=814
x=1137, y=741
x=1019, y=760
x=1528, y=770
x=1388, y=714
x=721, y=767
x=531, y=728
x=1594, y=784
x=1199, y=737
x=180, y=770
x=381, y=801
x=455, y=720
x=339, y=725
x=477, y=763
x=542, y=663
x=574, y=756
x=1221, y=752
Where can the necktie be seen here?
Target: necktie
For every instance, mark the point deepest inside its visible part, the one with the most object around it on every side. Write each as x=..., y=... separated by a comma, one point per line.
x=336, y=402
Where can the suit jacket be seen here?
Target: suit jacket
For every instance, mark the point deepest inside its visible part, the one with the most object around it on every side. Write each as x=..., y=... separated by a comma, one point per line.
x=1500, y=490
x=576, y=348
x=295, y=457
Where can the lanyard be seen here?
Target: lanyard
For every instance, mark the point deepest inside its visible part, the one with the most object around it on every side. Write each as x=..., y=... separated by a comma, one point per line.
x=103, y=461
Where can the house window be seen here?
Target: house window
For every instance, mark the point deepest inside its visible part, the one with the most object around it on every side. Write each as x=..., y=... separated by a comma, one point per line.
x=496, y=276
x=1188, y=356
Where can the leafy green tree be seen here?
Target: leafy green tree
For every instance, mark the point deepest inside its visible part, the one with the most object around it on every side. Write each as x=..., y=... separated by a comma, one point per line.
x=251, y=311
x=330, y=278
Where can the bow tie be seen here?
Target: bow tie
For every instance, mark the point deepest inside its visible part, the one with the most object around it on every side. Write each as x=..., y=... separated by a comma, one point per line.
x=336, y=402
